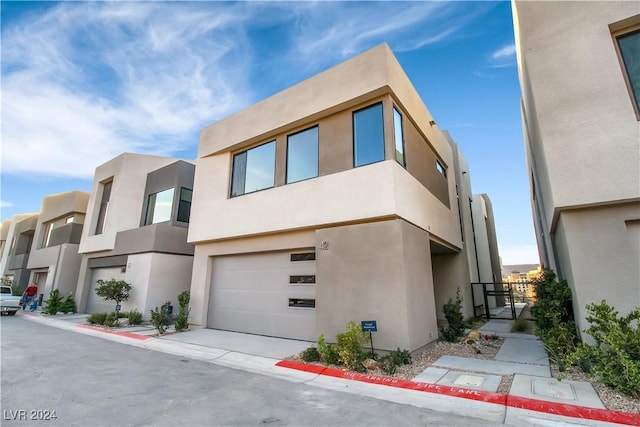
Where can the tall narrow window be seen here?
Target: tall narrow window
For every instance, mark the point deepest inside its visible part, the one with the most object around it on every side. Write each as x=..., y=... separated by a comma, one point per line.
x=184, y=207
x=254, y=169
x=104, y=206
x=629, y=45
x=47, y=235
x=159, y=207
x=398, y=136
x=440, y=167
x=368, y=135
x=302, y=155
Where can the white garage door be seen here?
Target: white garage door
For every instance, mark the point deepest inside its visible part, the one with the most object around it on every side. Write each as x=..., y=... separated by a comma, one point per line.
x=95, y=304
x=266, y=294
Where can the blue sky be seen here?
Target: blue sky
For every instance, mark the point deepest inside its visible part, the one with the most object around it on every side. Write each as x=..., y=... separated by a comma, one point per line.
x=84, y=82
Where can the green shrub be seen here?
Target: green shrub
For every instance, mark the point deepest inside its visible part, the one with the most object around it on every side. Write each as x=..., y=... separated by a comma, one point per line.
x=395, y=358
x=159, y=319
x=553, y=314
x=111, y=321
x=520, y=325
x=123, y=314
x=135, y=317
x=113, y=290
x=68, y=305
x=54, y=304
x=327, y=352
x=350, y=346
x=616, y=354
x=182, y=319
x=311, y=354
x=455, y=321
x=553, y=301
x=97, y=318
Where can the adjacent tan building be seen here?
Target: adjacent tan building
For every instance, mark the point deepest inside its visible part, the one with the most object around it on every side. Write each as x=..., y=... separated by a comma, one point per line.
x=54, y=261
x=136, y=230
x=578, y=68
x=333, y=201
x=17, y=248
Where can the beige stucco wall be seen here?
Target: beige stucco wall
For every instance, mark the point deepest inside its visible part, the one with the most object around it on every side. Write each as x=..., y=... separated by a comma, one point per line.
x=129, y=174
x=376, y=271
x=586, y=257
x=578, y=112
x=581, y=141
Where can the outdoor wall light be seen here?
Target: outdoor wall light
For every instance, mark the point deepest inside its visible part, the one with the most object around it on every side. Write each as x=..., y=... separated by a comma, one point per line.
x=432, y=122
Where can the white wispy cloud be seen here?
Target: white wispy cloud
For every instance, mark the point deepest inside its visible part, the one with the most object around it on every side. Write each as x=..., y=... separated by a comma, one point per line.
x=85, y=82
x=503, y=57
x=340, y=30
x=4, y=204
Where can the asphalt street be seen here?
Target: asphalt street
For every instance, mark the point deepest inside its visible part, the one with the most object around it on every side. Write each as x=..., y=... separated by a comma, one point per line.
x=53, y=377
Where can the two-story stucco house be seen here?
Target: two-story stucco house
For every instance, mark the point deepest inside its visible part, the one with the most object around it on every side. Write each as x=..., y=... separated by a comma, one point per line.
x=579, y=70
x=332, y=201
x=54, y=261
x=17, y=248
x=136, y=230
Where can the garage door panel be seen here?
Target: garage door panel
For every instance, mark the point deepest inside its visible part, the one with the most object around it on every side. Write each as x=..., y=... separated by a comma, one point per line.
x=95, y=304
x=250, y=293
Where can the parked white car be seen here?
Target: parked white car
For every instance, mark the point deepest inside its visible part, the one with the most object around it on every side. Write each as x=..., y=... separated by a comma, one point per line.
x=9, y=303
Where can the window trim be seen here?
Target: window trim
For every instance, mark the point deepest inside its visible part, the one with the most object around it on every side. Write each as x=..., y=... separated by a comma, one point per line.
x=180, y=201
x=150, y=221
x=103, y=213
x=353, y=133
x=246, y=150
x=286, y=174
x=624, y=28
x=402, y=143
x=440, y=167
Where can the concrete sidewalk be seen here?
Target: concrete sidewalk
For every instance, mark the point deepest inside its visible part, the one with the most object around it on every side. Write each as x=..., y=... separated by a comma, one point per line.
x=460, y=386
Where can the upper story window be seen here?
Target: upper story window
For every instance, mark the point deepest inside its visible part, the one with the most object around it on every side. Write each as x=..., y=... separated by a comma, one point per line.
x=46, y=238
x=184, y=206
x=302, y=155
x=159, y=207
x=68, y=219
x=441, y=168
x=629, y=47
x=104, y=206
x=368, y=135
x=254, y=169
x=399, y=137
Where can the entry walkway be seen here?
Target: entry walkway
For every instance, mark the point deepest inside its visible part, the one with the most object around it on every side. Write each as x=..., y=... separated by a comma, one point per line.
x=449, y=386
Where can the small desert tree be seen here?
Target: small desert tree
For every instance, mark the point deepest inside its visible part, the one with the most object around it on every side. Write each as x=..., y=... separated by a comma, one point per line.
x=113, y=290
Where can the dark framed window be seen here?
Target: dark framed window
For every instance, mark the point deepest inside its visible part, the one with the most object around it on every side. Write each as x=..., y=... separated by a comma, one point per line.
x=440, y=167
x=254, y=169
x=302, y=155
x=303, y=256
x=159, y=207
x=629, y=47
x=302, y=303
x=104, y=206
x=399, y=137
x=368, y=135
x=184, y=205
x=303, y=279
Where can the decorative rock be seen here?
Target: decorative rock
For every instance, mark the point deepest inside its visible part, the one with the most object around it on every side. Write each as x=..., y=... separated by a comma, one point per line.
x=371, y=364
x=297, y=356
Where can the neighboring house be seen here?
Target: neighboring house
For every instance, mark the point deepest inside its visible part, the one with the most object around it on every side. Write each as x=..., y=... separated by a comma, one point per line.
x=136, y=230
x=579, y=72
x=17, y=249
x=4, y=235
x=54, y=260
x=332, y=201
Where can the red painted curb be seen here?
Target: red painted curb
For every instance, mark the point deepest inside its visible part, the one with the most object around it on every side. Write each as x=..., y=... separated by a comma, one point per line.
x=119, y=333
x=536, y=405
x=574, y=411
